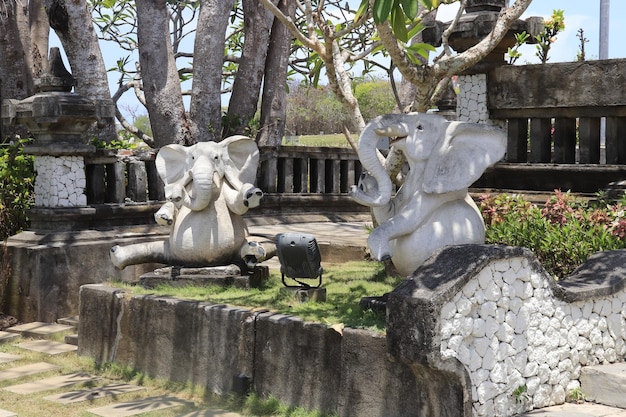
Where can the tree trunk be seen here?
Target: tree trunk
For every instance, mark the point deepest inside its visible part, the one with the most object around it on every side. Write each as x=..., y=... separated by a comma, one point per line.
x=169, y=122
x=15, y=81
x=246, y=88
x=39, y=36
x=72, y=22
x=206, y=105
x=274, y=101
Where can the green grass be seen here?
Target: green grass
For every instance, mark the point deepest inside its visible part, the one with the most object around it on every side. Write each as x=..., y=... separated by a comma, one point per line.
x=345, y=285
x=321, y=140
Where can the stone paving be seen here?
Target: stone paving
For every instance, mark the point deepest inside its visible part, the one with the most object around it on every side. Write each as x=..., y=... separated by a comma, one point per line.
x=39, y=380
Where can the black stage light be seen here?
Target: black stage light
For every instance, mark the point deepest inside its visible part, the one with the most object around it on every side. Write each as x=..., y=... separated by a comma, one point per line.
x=299, y=258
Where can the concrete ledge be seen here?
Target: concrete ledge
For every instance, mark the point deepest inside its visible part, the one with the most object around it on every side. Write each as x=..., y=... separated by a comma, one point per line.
x=301, y=363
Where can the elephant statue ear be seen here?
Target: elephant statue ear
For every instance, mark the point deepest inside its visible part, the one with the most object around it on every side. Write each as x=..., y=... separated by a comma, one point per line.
x=461, y=156
x=171, y=163
x=244, y=156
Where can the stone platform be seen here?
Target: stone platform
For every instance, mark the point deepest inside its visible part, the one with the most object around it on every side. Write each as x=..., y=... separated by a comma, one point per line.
x=223, y=276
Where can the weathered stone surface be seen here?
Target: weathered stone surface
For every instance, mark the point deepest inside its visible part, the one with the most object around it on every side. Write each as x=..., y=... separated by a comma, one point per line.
x=132, y=408
x=306, y=355
x=49, y=347
x=93, y=393
x=25, y=370
x=223, y=276
x=604, y=273
x=305, y=364
x=371, y=384
x=40, y=330
x=166, y=337
x=46, y=270
x=51, y=383
x=569, y=89
x=604, y=384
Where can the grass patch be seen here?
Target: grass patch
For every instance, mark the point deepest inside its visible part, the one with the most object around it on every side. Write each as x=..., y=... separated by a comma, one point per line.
x=337, y=139
x=345, y=284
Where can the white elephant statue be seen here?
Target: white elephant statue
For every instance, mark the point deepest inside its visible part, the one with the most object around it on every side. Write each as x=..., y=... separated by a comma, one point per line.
x=432, y=208
x=208, y=186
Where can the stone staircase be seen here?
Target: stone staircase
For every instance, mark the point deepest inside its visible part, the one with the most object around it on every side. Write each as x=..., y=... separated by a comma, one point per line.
x=70, y=390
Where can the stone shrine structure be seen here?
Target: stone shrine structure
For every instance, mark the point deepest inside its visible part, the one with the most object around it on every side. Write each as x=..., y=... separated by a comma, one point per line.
x=58, y=120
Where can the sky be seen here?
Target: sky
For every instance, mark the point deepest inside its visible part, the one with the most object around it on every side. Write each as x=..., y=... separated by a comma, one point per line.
x=578, y=14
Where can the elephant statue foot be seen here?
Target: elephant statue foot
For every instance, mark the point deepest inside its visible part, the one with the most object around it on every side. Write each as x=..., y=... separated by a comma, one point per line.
x=253, y=252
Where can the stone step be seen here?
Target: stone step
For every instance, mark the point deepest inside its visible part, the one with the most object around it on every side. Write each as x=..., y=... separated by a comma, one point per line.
x=47, y=384
x=215, y=412
x=50, y=347
x=71, y=339
x=40, y=330
x=6, y=337
x=92, y=393
x=605, y=384
x=7, y=357
x=69, y=321
x=27, y=370
x=145, y=405
x=5, y=413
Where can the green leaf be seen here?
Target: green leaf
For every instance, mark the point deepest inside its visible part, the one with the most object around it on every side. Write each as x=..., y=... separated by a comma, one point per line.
x=398, y=25
x=362, y=9
x=317, y=69
x=410, y=8
x=381, y=10
x=422, y=49
x=427, y=3
x=416, y=29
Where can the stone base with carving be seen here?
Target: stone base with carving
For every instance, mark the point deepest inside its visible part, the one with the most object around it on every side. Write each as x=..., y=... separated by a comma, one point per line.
x=229, y=275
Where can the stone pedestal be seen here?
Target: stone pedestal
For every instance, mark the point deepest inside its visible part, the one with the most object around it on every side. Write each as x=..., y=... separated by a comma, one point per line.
x=230, y=275
x=304, y=294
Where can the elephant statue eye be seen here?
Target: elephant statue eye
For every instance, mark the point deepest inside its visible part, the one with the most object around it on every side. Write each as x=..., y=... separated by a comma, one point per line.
x=420, y=128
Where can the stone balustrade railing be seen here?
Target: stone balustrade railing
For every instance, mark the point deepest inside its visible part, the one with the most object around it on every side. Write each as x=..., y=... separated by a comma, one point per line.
x=303, y=169
x=128, y=176
x=123, y=176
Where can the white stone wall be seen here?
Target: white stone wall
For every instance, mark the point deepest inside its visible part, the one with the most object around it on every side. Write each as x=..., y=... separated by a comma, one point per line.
x=471, y=102
x=60, y=181
x=508, y=330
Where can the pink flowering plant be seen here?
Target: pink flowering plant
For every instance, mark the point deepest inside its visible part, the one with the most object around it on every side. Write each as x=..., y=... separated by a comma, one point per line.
x=562, y=233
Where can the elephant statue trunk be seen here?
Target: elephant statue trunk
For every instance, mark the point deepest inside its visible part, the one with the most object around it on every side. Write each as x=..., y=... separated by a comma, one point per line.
x=375, y=191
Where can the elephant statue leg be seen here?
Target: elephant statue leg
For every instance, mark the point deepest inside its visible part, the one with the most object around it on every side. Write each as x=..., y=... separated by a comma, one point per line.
x=122, y=256
x=166, y=215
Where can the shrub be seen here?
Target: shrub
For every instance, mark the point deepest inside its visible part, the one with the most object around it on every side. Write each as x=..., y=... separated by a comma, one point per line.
x=562, y=234
x=17, y=179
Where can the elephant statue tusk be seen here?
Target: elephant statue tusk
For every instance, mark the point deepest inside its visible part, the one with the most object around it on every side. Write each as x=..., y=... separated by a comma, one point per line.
x=393, y=131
